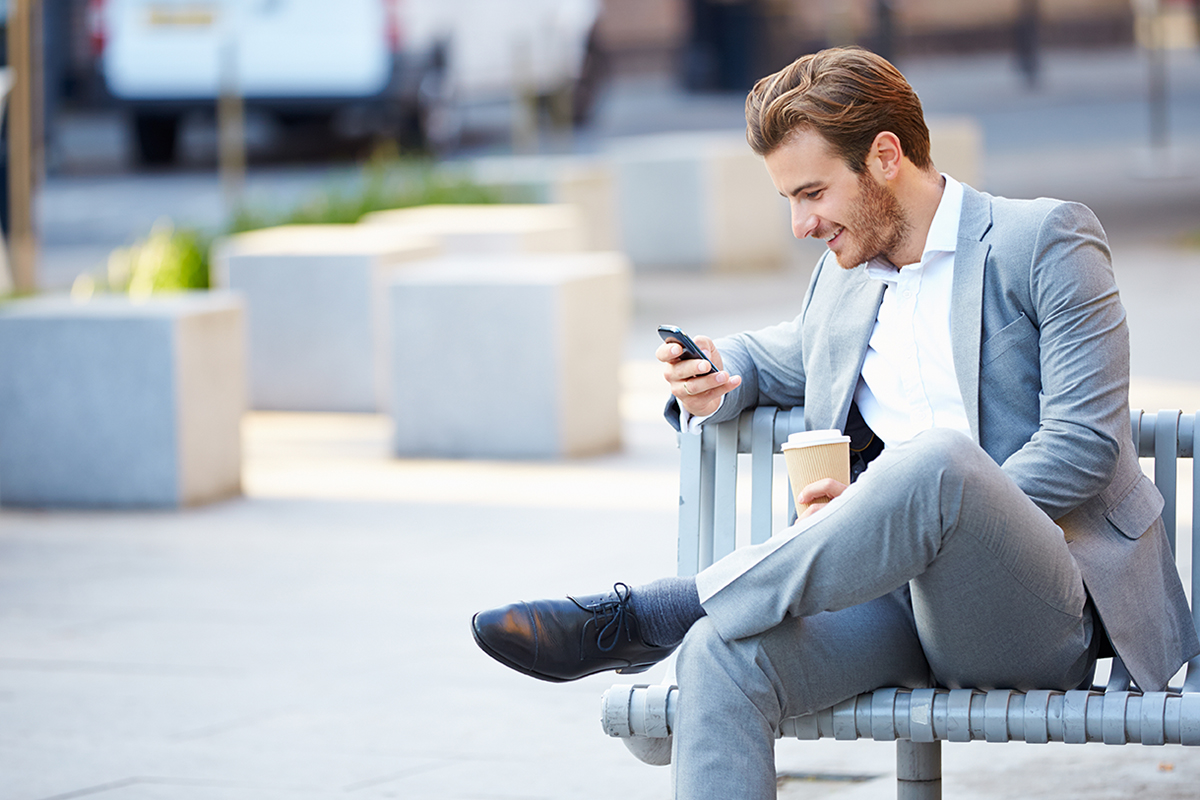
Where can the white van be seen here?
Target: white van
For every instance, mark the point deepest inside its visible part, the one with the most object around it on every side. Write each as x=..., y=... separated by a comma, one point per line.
x=399, y=65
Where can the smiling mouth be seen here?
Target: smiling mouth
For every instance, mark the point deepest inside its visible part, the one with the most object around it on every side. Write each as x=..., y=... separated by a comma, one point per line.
x=837, y=233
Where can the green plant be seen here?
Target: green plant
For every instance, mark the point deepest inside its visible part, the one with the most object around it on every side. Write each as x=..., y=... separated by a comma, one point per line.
x=168, y=260
x=15, y=294
x=387, y=182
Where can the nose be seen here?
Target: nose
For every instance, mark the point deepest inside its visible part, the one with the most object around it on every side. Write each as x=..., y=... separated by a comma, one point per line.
x=804, y=223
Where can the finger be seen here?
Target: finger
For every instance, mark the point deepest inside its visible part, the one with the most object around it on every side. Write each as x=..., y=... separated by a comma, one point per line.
x=679, y=371
x=823, y=490
x=709, y=348
x=811, y=509
x=686, y=389
x=697, y=392
x=668, y=352
x=701, y=384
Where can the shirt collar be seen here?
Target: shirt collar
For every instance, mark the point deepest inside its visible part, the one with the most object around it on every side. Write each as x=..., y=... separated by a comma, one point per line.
x=943, y=232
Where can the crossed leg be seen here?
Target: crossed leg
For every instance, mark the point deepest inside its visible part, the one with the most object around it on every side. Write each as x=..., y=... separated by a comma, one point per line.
x=934, y=568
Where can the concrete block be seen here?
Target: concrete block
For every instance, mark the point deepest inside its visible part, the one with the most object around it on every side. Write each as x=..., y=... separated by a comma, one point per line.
x=591, y=189
x=700, y=202
x=509, y=356
x=115, y=403
x=316, y=306
x=490, y=229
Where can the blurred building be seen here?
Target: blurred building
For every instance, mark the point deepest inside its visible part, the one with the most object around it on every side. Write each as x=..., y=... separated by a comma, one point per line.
x=725, y=44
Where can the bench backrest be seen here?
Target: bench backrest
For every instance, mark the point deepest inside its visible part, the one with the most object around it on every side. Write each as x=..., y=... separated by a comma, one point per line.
x=711, y=525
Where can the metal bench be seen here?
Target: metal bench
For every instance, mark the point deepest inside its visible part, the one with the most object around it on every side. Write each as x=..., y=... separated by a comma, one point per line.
x=918, y=720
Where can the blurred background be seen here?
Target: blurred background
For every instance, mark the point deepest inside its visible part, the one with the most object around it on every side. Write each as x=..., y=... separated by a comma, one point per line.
x=146, y=98
x=296, y=626
x=126, y=96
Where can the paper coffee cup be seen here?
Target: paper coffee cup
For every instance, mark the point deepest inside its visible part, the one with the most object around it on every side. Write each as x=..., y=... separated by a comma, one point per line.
x=813, y=455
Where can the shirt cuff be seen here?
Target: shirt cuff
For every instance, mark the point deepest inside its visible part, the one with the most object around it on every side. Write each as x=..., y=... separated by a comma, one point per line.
x=690, y=424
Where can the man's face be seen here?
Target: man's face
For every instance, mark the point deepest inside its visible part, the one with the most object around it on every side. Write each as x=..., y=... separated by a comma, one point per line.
x=856, y=214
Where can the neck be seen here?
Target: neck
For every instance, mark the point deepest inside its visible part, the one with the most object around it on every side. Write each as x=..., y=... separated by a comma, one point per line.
x=919, y=192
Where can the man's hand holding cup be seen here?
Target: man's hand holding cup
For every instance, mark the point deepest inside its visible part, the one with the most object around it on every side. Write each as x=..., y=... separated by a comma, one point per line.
x=818, y=464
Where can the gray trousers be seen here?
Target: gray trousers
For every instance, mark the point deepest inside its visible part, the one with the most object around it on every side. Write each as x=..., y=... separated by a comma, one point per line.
x=933, y=569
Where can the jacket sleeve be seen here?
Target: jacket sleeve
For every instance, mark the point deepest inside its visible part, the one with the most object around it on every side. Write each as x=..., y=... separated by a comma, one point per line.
x=1083, y=351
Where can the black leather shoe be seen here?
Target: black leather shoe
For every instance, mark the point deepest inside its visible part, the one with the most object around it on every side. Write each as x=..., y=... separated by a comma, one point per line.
x=564, y=640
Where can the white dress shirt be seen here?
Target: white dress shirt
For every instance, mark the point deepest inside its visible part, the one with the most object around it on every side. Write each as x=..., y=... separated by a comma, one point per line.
x=908, y=383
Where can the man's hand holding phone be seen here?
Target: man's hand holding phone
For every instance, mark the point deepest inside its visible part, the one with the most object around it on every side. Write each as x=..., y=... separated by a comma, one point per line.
x=694, y=370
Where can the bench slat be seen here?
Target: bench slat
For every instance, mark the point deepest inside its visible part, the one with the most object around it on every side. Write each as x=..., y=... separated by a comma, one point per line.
x=1166, y=445
x=691, y=503
x=725, y=492
x=762, y=474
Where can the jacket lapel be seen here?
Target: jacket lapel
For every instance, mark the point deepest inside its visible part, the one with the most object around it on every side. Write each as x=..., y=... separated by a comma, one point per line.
x=966, y=310
x=850, y=332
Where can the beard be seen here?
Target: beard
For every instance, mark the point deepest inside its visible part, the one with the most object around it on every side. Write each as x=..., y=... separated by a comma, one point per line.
x=875, y=226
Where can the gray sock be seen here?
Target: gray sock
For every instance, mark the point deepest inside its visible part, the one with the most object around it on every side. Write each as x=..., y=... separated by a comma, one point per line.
x=666, y=609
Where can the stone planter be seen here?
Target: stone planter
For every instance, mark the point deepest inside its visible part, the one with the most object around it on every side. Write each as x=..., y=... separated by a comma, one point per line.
x=317, y=311
x=112, y=403
x=509, y=356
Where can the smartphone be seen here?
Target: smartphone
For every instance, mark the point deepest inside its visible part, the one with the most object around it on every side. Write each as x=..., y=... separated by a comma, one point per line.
x=690, y=350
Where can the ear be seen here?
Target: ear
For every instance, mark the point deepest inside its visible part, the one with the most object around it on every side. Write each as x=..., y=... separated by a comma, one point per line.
x=886, y=154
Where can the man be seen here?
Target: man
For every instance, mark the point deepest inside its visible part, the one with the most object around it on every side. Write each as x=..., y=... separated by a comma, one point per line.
x=1003, y=538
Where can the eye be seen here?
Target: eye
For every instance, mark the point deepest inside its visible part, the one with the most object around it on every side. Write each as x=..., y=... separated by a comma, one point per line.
x=815, y=194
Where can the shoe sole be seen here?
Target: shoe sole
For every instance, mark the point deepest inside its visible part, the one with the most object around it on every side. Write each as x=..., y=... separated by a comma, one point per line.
x=632, y=669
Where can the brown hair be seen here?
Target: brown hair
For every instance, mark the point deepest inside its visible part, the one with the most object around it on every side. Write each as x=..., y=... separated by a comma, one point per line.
x=847, y=95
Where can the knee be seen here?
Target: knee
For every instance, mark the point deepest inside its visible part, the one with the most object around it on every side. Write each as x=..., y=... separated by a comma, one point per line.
x=943, y=451
x=702, y=649
x=705, y=654
x=709, y=665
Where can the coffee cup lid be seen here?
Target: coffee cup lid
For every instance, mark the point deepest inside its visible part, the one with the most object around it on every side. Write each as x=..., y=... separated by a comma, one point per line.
x=810, y=438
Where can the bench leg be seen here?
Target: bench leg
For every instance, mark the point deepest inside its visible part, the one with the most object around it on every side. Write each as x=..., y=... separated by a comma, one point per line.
x=918, y=770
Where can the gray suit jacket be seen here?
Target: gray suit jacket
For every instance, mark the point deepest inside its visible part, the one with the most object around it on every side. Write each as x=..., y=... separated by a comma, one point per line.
x=1041, y=353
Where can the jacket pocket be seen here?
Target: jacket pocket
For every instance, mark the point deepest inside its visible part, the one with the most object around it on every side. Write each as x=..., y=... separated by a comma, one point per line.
x=1002, y=340
x=1136, y=511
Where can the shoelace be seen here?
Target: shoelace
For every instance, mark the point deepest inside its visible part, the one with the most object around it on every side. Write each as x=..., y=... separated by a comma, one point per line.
x=612, y=617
